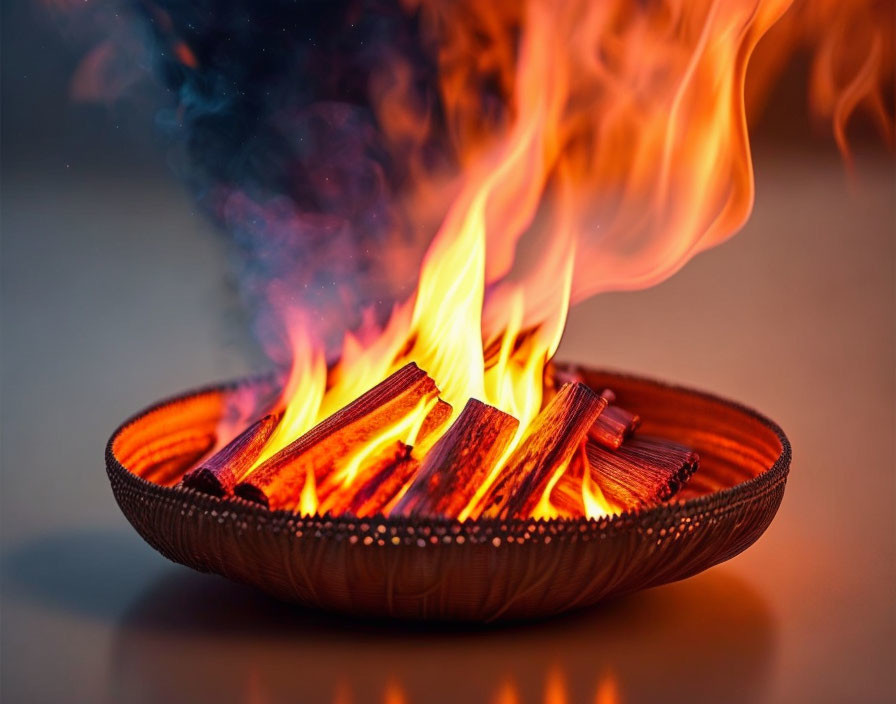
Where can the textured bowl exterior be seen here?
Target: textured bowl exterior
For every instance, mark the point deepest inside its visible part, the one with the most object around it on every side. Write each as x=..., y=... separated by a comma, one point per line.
x=484, y=570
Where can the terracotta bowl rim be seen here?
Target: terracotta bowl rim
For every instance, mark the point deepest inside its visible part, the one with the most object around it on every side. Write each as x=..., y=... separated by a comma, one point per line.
x=478, y=530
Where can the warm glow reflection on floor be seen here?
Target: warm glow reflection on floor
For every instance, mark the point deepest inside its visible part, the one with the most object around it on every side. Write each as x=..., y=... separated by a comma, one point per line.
x=606, y=691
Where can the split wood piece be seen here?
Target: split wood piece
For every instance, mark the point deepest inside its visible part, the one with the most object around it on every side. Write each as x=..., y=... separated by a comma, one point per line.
x=434, y=420
x=614, y=425
x=384, y=488
x=335, y=495
x=459, y=463
x=644, y=471
x=220, y=472
x=553, y=438
x=277, y=482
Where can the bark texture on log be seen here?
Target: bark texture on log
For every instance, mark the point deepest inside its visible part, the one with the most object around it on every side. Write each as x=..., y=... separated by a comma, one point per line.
x=613, y=426
x=459, y=462
x=553, y=438
x=644, y=471
x=277, y=483
x=220, y=472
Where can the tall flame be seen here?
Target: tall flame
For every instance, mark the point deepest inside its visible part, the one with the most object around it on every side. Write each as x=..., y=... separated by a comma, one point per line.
x=618, y=149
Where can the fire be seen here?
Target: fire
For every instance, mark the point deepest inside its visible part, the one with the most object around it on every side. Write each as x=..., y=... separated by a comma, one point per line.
x=618, y=150
x=852, y=63
x=596, y=504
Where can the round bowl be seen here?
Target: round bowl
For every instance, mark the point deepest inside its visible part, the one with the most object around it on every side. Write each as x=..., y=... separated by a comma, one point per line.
x=483, y=570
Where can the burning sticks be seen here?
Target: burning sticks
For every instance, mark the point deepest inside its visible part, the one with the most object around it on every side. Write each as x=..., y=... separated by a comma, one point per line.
x=553, y=438
x=386, y=453
x=276, y=484
x=220, y=472
x=383, y=487
x=381, y=471
x=337, y=491
x=614, y=425
x=459, y=462
x=644, y=471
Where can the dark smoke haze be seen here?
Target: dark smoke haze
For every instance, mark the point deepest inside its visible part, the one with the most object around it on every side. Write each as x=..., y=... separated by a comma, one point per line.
x=271, y=125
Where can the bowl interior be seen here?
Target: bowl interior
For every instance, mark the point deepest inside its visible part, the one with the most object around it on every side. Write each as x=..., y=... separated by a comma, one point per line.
x=734, y=443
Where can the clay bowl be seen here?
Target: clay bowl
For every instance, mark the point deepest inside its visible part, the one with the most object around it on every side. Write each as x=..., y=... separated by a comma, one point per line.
x=445, y=570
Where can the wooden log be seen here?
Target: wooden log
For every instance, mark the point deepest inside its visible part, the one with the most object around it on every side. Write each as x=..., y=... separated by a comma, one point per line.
x=643, y=471
x=384, y=488
x=434, y=421
x=458, y=463
x=613, y=426
x=380, y=474
x=277, y=482
x=553, y=438
x=336, y=496
x=337, y=490
x=220, y=472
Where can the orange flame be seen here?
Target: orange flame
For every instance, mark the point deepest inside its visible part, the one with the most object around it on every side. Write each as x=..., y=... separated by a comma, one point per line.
x=619, y=150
